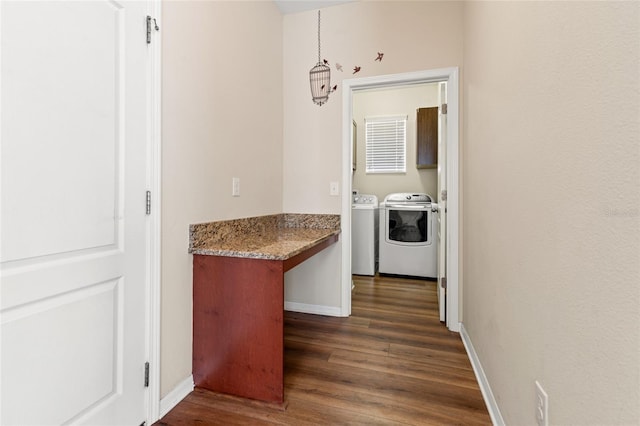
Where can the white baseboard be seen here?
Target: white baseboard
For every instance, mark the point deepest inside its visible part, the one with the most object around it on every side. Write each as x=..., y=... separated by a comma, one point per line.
x=176, y=395
x=332, y=311
x=487, y=394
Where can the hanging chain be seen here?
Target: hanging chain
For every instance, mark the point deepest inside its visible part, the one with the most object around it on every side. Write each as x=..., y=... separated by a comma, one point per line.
x=319, y=60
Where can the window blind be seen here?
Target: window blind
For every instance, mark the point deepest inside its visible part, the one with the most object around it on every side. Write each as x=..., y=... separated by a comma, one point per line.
x=386, y=139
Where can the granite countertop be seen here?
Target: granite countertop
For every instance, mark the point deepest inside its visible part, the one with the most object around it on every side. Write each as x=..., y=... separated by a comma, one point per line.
x=272, y=237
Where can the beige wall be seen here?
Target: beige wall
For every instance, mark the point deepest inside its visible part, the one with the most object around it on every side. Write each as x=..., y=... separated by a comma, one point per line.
x=221, y=118
x=551, y=212
x=394, y=101
x=413, y=36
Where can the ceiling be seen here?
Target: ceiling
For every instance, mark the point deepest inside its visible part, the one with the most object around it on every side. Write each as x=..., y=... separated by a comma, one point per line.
x=295, y=6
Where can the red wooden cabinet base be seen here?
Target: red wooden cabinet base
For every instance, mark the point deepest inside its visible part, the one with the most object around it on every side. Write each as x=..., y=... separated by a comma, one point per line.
x=238, y=309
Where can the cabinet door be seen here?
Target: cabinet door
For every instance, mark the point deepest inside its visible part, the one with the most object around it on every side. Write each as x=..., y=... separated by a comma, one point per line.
x=427, y=138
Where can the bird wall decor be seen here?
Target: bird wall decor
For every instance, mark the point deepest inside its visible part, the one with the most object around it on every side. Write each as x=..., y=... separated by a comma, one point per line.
x=356, y=69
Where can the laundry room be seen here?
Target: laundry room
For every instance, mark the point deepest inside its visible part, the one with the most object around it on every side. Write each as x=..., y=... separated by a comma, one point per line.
x=395, y=180
x=393, y=102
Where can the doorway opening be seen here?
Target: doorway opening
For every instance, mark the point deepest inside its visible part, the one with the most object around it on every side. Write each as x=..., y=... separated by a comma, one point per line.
x=451, y=147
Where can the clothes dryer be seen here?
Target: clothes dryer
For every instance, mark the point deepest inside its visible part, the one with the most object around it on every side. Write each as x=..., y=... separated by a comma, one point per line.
x=408, y=241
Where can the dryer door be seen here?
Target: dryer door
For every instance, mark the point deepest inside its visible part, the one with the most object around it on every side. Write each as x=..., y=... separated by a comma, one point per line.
x=408, y=225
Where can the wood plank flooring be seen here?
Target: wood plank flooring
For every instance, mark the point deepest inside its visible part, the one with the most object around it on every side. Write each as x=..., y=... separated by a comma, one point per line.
x=391, y=363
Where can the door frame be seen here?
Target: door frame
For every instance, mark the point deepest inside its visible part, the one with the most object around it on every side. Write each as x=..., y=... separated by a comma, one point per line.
x=154, y=185
x=450, y=75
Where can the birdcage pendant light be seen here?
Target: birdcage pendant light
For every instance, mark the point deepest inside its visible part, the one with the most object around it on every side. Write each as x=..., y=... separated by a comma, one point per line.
x=320, y=77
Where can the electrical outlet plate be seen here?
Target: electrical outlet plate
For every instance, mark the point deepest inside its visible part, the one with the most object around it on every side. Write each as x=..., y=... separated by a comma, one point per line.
x=542, y=406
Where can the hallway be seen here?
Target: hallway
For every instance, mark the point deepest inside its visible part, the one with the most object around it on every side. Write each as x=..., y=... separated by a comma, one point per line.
x=391, y=362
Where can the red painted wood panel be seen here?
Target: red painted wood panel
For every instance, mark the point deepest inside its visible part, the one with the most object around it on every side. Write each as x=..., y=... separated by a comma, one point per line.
x=238, y=308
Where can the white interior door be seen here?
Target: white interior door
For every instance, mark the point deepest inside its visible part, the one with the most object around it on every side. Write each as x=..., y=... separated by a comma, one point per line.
x=74, y=234
x=442, y=201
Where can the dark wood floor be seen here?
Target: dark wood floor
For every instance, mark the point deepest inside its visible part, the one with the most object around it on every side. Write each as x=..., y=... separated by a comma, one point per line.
x=391, y=362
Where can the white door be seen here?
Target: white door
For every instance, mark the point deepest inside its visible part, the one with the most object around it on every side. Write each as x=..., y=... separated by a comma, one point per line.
x=442, y=201
x=74, y=231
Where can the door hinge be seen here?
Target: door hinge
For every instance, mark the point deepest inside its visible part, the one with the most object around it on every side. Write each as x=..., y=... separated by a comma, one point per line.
x=151, y=26
x=146, y=374
x=443, y=195
x=148, y=202
x=443, y=282
x=443, y=108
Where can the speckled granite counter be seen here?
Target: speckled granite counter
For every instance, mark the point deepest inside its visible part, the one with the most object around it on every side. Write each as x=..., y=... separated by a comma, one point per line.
x=274, y=237
x=238, y=298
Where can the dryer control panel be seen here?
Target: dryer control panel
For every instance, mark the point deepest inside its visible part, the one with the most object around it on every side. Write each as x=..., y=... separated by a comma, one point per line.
x=408, y=197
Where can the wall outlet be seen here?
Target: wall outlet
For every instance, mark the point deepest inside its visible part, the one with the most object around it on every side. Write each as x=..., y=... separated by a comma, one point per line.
x=542, y=406
x=334, y=188
x=235, y=187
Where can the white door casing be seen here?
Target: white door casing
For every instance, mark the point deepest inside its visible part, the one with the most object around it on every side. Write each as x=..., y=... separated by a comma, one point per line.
x=450, y=76
x=75, y=252
x=442, y=202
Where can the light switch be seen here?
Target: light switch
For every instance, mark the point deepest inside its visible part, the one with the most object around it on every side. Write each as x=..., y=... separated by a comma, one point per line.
x=235, y=191
x=334, y=188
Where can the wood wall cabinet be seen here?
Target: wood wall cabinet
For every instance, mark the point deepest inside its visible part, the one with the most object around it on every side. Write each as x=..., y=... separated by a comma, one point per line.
x=427, y=138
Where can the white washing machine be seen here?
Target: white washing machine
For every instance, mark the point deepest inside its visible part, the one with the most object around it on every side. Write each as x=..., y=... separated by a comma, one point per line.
x=408, y=238
x=364, y=234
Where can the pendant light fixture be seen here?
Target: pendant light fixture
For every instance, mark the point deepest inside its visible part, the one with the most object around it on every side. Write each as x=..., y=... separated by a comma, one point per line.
x=320, y=77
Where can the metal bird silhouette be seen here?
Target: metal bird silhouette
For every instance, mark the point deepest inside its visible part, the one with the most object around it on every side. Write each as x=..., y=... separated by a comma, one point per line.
x=334, y=88
x=356, y=69
x=379, y=58
x=325, y=61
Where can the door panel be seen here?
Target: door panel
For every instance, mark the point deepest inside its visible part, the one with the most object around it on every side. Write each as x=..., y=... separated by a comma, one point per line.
x=73, y=251
x=40, y=335
x=75, y=54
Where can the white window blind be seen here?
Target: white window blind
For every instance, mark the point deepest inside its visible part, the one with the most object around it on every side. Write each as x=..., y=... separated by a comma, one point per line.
x=386, y=139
